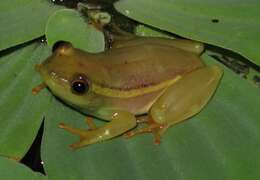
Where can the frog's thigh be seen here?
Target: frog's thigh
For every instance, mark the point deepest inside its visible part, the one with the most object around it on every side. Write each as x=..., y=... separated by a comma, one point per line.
x=186, y=97
x=121, y=122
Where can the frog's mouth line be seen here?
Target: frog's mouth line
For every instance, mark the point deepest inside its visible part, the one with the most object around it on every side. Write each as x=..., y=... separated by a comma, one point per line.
x=51, y=79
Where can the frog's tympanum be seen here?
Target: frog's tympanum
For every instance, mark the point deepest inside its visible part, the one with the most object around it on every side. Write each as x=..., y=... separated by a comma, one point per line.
x=164, y=79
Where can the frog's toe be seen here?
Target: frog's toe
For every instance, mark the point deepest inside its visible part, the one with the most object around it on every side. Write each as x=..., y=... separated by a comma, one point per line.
x=153, y=127
x=38, y=88
x=88, y=137
x=84, y=140
x=79, y=132
x=76, y=145
x=150, y=129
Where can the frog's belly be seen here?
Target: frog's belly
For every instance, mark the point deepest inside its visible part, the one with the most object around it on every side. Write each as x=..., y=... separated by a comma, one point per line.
x=138, y=104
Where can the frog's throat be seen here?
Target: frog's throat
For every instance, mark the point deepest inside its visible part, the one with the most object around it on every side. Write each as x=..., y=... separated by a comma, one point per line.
x=132, y=92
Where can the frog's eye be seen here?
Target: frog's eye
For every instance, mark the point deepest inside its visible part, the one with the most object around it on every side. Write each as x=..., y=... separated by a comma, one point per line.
x=79, y=84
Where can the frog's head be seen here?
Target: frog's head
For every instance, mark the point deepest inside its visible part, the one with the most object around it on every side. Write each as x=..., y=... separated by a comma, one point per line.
x=66, y=73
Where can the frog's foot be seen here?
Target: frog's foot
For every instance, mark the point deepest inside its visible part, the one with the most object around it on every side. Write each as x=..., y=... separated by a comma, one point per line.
x=89, y=121
x=76, y=131
x=153, y=127
x=38, y=88
x=79, y=132
x=82, y=133
x=120, y=123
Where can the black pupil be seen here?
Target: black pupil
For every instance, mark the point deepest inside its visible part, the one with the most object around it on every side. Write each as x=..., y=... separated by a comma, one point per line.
x=79, y=87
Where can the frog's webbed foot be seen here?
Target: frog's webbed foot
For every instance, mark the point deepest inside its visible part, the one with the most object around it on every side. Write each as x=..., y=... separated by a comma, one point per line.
x=152, y=127
x=82, y=133
x=120, y=123
x=77, y=131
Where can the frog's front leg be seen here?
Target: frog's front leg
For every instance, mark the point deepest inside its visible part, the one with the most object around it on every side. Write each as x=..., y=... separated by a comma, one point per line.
x=181, y=100
x=121, y=122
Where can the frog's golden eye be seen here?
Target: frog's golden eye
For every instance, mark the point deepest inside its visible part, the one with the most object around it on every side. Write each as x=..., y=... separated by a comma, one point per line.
x=79, y=84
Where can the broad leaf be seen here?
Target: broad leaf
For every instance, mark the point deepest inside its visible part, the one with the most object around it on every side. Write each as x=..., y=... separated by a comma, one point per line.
x=11, y=170
x=68, y=25
x=229, y=24
x=23, y=20
x=21, y=112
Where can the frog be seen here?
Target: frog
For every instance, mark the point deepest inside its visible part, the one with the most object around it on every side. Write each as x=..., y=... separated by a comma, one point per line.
x=140, y=85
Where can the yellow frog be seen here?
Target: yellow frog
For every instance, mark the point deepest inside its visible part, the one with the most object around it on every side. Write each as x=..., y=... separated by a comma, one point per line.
x=163, y=78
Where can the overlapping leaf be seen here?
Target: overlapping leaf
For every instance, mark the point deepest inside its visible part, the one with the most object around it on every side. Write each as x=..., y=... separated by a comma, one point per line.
x=13, y=170
x=229, y=24
x=68, y=25
x=23, y=20
x=21, y=112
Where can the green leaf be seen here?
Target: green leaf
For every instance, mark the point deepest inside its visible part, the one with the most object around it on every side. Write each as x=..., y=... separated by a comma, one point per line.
x=221, y=142
x=21, y=112
x=68, y=25
x=232, y=25
x=142, y=30
x=23, y=20
x=11, y=170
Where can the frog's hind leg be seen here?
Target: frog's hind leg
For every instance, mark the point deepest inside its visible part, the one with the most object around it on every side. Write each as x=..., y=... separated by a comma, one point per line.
x=186, y=98
x=188, y=45
x=180, y=101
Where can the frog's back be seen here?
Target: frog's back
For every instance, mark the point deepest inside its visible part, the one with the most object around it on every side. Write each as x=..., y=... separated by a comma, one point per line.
x=142, y=66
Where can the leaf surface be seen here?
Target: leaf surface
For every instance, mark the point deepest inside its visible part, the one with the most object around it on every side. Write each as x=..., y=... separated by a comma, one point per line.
x=23, y=20
x=231, y=24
